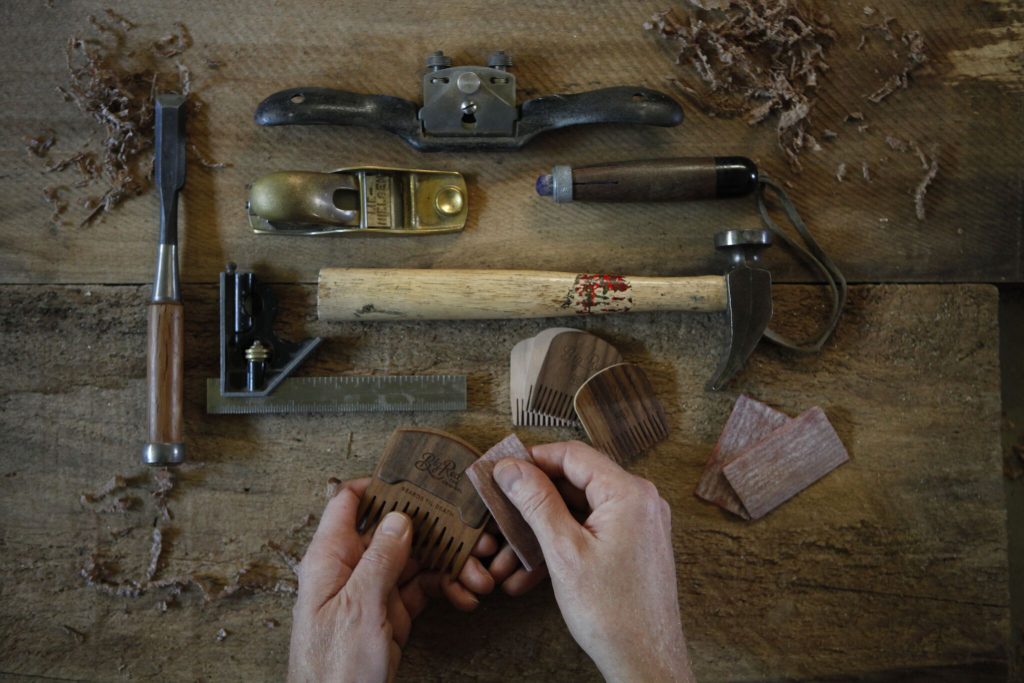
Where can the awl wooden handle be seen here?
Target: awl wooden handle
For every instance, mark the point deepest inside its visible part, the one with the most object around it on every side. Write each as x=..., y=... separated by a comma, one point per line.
x=165, y=382
x=396, y=294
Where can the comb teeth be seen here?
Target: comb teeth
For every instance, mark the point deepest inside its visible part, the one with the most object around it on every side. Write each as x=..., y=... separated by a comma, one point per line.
x=637, y=438
x=552, y=402
x=432, y=546
x=421, y=474
x=620, y=412
x=524, y=417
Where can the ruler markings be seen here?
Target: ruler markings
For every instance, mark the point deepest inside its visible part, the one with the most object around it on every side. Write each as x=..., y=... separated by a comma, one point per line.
x=347, y=394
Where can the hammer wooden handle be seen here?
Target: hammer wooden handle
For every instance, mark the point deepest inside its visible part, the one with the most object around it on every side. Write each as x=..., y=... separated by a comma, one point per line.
x=395, y=294
x=164, y=372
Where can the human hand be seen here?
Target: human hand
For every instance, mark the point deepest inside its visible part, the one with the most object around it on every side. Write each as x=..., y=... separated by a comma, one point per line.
x=358, y=596
x=614, y=574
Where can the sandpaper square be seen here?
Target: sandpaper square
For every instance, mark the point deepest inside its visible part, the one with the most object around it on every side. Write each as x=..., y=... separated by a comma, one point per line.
x=515, y=529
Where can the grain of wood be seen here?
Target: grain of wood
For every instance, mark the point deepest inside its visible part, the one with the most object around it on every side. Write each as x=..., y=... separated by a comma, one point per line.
x=749, y=422
x=621, y=413
x=452, y=294
x=830, y=583
x=421, y=473
x=568, y=362
x=515, y=529
x=784, y=463
x=971, y=46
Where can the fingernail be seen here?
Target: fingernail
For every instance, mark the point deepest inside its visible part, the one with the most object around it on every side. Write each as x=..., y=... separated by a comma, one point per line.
x=393, y=524
x=507, y=473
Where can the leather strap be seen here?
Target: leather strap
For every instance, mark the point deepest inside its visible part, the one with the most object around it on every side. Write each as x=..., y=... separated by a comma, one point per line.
x=811, y=253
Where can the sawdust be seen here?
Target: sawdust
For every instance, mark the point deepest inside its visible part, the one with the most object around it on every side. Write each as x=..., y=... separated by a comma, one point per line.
x=221, y=635
x=841, y=172
x=865, y=171
x=114, y=83
x=754, y=58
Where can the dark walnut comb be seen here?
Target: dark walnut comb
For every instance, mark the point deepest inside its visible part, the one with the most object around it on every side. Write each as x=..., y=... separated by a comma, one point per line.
x=422, y=473
x=571, y=359
x=620, y=412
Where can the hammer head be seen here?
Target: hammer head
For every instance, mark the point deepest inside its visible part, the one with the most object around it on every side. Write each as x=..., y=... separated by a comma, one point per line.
x=748, y=309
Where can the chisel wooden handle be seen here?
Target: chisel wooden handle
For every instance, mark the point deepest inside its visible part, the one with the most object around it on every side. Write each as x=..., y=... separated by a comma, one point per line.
x=395, y=294
x=165, y=382
x=654, y=180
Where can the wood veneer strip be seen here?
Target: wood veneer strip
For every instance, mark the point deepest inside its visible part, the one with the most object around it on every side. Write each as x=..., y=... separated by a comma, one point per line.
x=749, y=422
x=515, y=529
x=785, y=462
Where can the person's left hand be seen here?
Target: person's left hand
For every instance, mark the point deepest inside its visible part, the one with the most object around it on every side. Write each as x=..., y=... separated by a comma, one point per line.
x=357, y=598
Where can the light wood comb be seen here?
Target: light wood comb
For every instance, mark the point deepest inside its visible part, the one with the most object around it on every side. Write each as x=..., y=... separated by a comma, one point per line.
x=620, y=412
x=525, y=362
x=422, y=474
x=570, y=359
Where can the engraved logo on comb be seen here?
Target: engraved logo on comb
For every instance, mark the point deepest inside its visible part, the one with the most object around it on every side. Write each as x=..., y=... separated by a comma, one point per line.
x=442, y=469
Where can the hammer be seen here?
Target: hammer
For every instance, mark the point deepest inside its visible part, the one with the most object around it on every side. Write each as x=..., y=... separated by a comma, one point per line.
x=743, y=294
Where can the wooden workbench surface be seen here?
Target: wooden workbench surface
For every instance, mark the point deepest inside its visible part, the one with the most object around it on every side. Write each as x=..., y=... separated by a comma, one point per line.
x=893, y=566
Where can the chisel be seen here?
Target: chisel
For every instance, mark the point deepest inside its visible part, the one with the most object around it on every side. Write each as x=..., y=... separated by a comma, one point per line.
x=165, y=352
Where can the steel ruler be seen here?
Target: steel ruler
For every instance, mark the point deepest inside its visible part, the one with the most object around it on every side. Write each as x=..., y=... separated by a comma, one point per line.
x=347, y=394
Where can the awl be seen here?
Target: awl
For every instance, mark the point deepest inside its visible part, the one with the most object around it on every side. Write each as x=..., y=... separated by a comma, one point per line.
x=165, y=352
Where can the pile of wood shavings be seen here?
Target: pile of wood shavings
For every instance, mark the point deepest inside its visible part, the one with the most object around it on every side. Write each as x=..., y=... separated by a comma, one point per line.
x=255, y=576
x=115, y=85
x=753, y=58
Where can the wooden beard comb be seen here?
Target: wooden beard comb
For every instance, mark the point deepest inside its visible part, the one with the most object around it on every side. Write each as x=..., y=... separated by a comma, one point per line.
x=569, y=360
x=422, y=473
x=620, y=412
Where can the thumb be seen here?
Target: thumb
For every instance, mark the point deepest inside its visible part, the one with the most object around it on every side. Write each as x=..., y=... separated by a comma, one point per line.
x=537, y=499
x=377, y=572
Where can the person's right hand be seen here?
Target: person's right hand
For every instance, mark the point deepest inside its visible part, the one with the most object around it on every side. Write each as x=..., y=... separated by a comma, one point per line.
x=613, y=575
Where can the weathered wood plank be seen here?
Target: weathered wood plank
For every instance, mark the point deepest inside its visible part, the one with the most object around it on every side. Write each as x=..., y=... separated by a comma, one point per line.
x=967, y=100
x=893, y=564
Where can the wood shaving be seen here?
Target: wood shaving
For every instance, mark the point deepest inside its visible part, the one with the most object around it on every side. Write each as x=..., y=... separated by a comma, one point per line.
x=204, y=162
x=114, y=484
x=155, y=551
x=39, y=145
x=754, y=58
x=913, y=57
x=865, y=171
x=53, y=195
x=114, y=84
x=163, y=483
x=74, y=633
x=922, y=187
x=121, y=504
x=841, y=172
x=897, y=145
x=829, y=134
x=854, y=117
x=333, y=486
